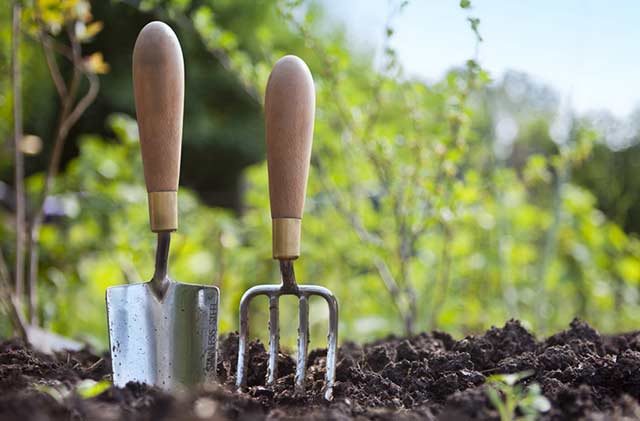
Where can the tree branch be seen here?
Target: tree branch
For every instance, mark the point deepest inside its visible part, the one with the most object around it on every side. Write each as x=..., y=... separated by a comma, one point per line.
x=20, y=212
x=392, y=286
x=69, y=116
x=54, y=70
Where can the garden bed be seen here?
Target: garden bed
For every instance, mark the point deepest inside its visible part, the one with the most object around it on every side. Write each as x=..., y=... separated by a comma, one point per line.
x=429, y=376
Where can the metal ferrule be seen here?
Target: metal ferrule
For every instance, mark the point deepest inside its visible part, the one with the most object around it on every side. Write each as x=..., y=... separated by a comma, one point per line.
x=163, y=210
x=286, y=238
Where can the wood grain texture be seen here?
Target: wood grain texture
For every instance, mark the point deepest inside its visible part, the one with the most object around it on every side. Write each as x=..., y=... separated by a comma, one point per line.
x=158, y=84
x=289, y=114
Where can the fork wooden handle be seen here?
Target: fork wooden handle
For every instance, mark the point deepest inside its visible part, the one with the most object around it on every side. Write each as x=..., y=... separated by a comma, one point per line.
x=158, y=84
x=289, y=114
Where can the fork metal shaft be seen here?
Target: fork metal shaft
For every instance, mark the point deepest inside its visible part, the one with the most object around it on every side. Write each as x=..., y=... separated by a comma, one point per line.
x=289, y=283
x=160, y=280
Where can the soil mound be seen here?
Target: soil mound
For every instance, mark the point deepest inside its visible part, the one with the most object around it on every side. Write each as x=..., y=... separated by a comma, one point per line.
x=429, y=376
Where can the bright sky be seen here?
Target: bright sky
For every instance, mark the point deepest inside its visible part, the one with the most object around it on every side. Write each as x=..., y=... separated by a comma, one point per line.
x=588, y=50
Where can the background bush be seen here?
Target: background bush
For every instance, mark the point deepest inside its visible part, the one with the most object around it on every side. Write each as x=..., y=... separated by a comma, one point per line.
x=418, y=215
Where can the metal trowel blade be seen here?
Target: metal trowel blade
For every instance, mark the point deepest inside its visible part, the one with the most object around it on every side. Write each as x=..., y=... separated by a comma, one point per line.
x=168, y=342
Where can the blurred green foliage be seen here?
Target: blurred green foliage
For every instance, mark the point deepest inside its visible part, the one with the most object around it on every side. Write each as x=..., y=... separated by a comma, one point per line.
x=418, y=215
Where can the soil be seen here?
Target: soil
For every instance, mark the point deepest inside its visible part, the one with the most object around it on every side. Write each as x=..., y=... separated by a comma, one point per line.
x=430, y=376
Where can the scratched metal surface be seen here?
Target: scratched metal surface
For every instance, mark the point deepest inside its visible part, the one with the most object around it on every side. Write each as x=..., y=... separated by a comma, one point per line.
x=170, y=343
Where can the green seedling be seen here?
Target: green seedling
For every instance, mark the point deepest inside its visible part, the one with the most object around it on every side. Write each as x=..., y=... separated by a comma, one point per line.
x=508, y=395
x=56, y=390
x=86, y=389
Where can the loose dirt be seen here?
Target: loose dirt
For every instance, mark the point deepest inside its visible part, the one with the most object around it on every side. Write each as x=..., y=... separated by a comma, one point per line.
x=429, y=377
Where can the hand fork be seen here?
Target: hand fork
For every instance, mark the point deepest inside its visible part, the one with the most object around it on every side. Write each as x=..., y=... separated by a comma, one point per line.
x=289, y=114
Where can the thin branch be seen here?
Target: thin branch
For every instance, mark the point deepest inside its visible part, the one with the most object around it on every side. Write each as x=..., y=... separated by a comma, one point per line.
x=220, y=258
x=445, y=276
x=221, y=55
x=9, y=301
x=55, y=45
x=20, y=213
x=391, y=285
x=83, y=104
x=59, y=47
x=338, y=202
x=54, y=70
x=385, y=274
x=551, y=242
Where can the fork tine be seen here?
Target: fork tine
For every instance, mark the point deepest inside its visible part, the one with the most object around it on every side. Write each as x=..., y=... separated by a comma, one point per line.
x=333, y=345
x=303, y=341
x=241, y=380
x=332, y=335
x=274, y=339
x=303, y=292
x=306, y=291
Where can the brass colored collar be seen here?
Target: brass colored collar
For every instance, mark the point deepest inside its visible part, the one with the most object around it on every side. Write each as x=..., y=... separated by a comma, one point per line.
x=286, y=238
x=163, y=210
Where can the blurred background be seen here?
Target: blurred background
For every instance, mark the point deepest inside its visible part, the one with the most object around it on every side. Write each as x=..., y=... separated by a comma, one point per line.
x=471, y=162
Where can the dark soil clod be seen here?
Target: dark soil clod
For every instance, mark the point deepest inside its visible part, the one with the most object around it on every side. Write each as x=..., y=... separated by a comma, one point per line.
x=426, y=377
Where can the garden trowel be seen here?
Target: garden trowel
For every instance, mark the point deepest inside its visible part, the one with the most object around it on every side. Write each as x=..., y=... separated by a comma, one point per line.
x=162, y=332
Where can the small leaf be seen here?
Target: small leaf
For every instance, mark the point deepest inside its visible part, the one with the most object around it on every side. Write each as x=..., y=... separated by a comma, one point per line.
x=494, y=397
x=484, y=76
x=58, y=392
x=93, y=28
x=541, y=404
x=82, y=10
x=465, y=4
x=475, y=23
x=85, y=32
x=95, y=64
x=90, y=388
x=510, y=379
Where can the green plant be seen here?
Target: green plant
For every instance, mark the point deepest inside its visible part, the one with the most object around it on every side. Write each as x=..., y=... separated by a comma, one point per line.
x=510, y=397
x=86, y=389
x=45, y=21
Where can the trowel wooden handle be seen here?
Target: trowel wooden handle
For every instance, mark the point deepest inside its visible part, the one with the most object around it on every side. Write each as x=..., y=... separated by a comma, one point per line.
x=289, y=113
x=158, y=84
